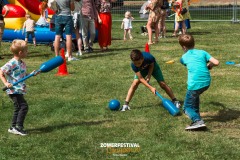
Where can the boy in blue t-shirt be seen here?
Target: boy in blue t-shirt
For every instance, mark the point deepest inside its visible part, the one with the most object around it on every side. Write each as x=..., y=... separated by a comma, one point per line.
x=144, y=65
x=198, y=63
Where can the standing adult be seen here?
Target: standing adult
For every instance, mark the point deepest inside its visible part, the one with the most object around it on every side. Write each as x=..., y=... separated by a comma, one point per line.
x=2, y=24
x=77, y=14
x=89, y=15
x=154, y=16
x=105, y=24
x=182, y=13
x=63, y=21
x=42, y=21
x=162, y=25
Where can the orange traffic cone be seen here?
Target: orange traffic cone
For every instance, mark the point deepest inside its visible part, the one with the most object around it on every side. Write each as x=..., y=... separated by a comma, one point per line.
x=147, y=48
x=62, y=69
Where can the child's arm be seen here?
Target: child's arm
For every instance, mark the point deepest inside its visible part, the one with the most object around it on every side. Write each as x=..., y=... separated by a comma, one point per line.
x=143, y=81
x=24, y=26
x=212, y=62
x=122, y=24
x=150, y=72
x=4, y=80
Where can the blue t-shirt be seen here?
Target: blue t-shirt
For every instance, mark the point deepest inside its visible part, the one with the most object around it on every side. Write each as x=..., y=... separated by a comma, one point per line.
x=148, y=59
x=198, y=74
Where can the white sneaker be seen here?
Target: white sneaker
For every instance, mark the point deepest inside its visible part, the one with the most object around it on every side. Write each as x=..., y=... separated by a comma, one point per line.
x=17, y=131
x=72, y=59
x=177, y=104
x=125, y=107
x=196, y=125
x=66, y=55
x=79, y=53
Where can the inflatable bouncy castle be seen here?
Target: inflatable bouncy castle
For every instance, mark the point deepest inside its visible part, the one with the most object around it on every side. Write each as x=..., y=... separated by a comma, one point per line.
x=16, y=17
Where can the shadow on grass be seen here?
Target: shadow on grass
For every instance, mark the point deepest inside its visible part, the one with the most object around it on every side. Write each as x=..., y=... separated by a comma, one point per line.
x=31, y=54
x=223, y=115
x=52, y=128
x=109, y=52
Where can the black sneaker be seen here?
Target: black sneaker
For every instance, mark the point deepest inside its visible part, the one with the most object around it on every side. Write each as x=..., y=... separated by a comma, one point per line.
x=86, y=51
x=90, y=49
x=20, y=131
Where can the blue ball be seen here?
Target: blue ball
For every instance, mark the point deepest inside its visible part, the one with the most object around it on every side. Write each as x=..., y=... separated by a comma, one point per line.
x=114, y=105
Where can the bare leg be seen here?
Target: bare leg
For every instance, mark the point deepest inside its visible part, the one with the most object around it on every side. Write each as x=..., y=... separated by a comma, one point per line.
x=176, y=28
x=130, y=35
x=69, y=45
x=79, y=40
x=149, y=28
x=183, y=27
x=167, y=89
x=132, y=90
x=57, y=44
x=125, y=34
x=34, y=41
x=156, y=32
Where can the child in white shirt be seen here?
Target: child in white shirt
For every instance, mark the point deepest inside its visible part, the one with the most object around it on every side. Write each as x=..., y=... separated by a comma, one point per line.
x=127, y=25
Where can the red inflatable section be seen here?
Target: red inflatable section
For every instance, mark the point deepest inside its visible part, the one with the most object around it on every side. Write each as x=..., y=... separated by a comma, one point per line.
x=33, y=6
x=15, y=11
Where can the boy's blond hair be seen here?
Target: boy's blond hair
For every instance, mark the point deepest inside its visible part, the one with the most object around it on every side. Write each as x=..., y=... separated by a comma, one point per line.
x=17, y=46
x=186, y=40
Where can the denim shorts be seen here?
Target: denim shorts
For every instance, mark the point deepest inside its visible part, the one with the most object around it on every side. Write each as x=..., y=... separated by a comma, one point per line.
x=63, y=23
x=29, y=33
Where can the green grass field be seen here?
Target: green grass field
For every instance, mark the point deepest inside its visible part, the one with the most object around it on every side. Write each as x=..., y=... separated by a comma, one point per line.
x=68, y=116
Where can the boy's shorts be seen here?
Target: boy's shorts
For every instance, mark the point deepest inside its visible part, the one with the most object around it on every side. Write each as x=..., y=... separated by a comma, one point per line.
x=157, y=73
x=30, y=33
x=63, y=23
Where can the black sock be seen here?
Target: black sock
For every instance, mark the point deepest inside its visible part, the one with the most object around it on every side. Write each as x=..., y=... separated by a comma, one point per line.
x=126, y=103
x=174, y=99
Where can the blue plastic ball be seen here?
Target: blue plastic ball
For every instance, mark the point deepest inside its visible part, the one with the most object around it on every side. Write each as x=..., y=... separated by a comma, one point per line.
x=114, y=105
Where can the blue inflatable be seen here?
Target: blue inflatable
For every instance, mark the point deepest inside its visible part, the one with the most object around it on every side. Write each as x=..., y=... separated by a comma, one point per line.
x=43, y=35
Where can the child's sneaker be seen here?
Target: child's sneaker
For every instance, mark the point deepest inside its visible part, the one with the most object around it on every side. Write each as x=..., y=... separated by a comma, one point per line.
x=125, y=107
x=196, y=125
x=12, y=130
x=17, y=130
x=21, y=131
x=177, y=104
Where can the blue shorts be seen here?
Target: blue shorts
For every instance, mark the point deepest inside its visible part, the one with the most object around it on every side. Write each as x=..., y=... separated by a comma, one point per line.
x=29, y=33
x=63, y=23
x=157, y=73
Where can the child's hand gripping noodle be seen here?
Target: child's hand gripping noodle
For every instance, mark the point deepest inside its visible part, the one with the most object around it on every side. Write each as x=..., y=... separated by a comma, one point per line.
x=45, y=67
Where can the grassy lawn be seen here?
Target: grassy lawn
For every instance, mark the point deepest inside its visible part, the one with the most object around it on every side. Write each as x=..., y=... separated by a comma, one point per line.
x=68, y=116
